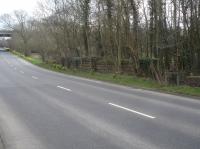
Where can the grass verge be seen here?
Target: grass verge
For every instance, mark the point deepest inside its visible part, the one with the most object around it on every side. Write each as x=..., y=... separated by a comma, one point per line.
x=127, y=80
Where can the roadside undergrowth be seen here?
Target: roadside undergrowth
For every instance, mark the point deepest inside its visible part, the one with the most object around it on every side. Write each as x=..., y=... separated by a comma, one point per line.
x=127, y=80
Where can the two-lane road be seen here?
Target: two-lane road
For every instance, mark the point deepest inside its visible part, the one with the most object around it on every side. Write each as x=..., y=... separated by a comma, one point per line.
x=40, y=109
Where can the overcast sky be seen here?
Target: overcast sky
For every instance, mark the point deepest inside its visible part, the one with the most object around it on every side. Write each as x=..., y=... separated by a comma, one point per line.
x=8, y=6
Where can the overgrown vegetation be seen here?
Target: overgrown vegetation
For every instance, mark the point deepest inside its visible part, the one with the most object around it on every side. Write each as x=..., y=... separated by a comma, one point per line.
x=127, y=80
x=159, y=38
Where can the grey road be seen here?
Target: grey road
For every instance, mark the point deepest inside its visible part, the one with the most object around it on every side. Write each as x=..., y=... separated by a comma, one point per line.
x=40, y=109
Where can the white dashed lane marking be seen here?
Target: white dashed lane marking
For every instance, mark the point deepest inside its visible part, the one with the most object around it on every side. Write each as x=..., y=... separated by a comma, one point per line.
x=36, y=78
x=63, y=88
x=133, y=111
x=22, y=72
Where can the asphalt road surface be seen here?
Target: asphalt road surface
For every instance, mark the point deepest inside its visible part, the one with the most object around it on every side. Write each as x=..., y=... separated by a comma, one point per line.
x=40, y=109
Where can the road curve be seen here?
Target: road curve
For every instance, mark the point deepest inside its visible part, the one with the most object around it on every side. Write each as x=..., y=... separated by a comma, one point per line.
x=40, y=109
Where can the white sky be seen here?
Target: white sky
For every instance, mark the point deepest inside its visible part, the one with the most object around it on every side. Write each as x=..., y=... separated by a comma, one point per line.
x=8, y=6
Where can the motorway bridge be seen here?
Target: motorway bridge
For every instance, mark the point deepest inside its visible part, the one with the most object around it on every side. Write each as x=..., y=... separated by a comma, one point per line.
x=5, y=33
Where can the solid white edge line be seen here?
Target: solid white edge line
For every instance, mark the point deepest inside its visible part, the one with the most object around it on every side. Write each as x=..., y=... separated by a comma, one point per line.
x=133, y=111
x=67, y=89
x=34, y=77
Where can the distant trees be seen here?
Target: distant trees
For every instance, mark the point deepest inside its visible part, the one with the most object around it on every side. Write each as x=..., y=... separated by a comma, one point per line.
x=19, y=23
x=163, y=35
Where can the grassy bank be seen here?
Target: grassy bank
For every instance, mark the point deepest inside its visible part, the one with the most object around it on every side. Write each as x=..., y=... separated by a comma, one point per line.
x=126, y=80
